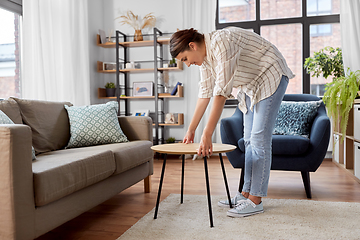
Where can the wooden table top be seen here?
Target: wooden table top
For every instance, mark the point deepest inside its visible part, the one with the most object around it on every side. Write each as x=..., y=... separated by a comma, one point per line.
x=190, y=148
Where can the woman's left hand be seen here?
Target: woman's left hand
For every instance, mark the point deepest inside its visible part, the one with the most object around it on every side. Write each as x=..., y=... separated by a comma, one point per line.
x=205, y=146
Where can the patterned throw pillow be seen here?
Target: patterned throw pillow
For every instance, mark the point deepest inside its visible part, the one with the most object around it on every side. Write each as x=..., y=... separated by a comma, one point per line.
x=94, y=125
x=4, y=119
x=295, y=118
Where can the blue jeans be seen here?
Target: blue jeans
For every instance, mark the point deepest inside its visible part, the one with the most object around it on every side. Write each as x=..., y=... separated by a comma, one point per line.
x=258, y=128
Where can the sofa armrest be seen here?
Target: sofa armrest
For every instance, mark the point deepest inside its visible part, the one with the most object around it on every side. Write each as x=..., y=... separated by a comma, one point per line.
x=17, y=204
x=136, y=128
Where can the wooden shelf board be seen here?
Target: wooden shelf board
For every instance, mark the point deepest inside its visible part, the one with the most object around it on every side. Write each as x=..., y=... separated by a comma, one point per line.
x=146, y=43
x=137, y=70
x=107, y=97
x=169, y=124
x=350, y=137
x=106, y=71
x=145, y=97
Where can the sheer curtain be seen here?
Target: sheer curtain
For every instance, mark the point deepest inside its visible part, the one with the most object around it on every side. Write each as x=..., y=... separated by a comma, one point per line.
x=56, y=51
x=350, y=33
x=200, y=15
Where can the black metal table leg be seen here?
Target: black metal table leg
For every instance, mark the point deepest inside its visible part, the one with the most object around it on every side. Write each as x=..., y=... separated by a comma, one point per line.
x=208, y=192
x=182, y=179
x=225, y=180
x=160, y=186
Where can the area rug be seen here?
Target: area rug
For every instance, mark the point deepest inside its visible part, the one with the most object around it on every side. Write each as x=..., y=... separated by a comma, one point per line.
x=282, y=219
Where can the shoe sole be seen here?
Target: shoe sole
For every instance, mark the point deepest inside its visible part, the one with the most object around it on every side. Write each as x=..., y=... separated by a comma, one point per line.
x=223, y=205
x=237, y=215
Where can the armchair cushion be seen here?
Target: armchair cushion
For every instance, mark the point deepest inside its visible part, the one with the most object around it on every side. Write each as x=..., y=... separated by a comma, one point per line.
x=284, y=145
x=295, y=118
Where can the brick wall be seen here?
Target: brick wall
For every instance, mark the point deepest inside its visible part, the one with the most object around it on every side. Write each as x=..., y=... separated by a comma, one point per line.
x=7, y=87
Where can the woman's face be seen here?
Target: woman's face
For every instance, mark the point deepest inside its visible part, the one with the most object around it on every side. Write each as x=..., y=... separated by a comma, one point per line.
x=194, y=56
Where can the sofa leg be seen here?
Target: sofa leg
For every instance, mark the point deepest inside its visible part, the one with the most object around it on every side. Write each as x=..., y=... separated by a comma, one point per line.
x=147, y=184
x=306, y=180
x=241, y=183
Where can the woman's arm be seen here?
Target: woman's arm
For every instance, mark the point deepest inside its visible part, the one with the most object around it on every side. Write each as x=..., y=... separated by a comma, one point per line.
x=205, y=147
x=200, y=108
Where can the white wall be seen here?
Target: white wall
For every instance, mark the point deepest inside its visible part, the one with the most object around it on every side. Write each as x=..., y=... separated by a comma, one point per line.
x=96, y=22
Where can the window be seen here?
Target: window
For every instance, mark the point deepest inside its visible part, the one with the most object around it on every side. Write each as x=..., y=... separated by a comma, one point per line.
x=296, y=27
x=317, y=42
x=236, y=10
x=9, y=54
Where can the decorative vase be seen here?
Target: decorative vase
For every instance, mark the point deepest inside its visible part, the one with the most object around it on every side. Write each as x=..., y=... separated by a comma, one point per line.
x=110, y=92
x=138, y=35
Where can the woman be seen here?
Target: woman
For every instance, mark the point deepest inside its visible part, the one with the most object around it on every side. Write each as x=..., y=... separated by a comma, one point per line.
x=234, y=57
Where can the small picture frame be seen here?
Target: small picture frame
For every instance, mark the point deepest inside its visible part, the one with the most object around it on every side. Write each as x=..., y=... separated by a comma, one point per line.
x=141, y=113
x=109, y=66
x=171, y=118
x=102, y=36
x=143, y=89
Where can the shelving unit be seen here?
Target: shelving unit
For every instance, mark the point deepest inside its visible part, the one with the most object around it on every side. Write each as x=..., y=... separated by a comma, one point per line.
x=344, y=155
x=159, y=96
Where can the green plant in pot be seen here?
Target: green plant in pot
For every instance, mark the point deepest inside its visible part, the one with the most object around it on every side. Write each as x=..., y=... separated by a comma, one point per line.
x=339, y=98
x=110, y=89
x=340, y=93
x=327, y=62
x=170, y=140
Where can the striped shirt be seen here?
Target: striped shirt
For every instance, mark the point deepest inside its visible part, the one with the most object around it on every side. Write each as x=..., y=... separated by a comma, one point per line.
x=238, y=58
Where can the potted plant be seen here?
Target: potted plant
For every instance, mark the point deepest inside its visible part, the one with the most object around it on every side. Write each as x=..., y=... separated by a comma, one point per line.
x=137, y=23
x=327, y=61
x=173, y=63
x=340, y=93
x=110, y=89
x=339, y=98
x=170, y=140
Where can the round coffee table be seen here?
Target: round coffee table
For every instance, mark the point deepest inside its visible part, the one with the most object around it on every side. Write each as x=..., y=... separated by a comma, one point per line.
x=191, y=148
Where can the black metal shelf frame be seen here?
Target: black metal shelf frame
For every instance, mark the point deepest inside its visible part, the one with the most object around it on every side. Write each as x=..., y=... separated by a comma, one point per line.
x=159, y=112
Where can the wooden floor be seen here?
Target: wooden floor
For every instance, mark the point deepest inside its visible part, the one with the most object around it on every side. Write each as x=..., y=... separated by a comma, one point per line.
x=112, y=218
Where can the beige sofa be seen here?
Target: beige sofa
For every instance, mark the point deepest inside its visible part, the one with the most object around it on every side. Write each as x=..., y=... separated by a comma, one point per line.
x=37, y=196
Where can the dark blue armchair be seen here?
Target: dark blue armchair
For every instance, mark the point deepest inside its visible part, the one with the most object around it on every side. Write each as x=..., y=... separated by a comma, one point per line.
x=290, y=153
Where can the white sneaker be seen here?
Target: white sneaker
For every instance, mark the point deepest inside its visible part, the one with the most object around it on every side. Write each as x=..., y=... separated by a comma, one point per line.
x=234, y=200
x=245, y=208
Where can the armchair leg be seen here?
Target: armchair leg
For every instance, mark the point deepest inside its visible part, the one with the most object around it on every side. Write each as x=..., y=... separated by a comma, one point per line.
x=306, y=180
x=241, y=183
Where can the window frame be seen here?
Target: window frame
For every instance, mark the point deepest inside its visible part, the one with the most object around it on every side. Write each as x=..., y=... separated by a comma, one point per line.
x=305, y=20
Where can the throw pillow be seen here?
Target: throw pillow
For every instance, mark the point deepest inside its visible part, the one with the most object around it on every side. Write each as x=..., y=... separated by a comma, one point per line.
x=4, y=119
x=295, y=118
x=49, y=123
x=94, y=125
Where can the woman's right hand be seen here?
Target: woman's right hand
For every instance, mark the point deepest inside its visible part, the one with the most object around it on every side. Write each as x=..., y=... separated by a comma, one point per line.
x=189, y=137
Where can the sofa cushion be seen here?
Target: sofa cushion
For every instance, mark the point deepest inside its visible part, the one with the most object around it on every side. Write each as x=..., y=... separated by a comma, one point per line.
x=284, y=145
x=60, y=173
x=94, y=125
x=6, y=120
x=12, y=110
x=295, y=118
x=127, y=155
x=48, y=121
